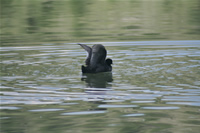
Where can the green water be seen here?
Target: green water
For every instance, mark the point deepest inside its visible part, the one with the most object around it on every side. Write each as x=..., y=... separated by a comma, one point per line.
x=25, y=22
x=154, y=86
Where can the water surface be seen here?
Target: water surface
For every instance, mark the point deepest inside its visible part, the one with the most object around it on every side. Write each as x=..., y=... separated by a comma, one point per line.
x=154, y=84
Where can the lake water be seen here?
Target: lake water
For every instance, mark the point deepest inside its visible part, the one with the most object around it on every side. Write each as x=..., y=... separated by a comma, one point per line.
x=154, y=86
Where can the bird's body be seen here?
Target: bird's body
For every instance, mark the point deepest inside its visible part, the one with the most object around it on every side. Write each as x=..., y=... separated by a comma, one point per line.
x=96, y=60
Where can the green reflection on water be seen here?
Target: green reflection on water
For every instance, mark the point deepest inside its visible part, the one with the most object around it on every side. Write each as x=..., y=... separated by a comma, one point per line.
x=78, y=21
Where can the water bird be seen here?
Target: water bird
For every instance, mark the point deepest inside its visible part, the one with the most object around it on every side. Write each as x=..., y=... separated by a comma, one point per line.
x=96, y=60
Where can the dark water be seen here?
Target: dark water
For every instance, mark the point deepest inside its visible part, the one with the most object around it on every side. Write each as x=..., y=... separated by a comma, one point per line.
x=154, y=86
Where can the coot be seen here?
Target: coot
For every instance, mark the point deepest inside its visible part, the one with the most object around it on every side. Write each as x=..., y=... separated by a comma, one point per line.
x=96, y=61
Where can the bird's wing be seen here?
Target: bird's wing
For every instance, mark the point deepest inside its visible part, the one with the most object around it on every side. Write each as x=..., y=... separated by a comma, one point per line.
x=98, y=55
x=89, y=50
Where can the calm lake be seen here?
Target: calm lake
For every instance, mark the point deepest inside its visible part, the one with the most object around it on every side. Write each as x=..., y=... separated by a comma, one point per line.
x=154, y=86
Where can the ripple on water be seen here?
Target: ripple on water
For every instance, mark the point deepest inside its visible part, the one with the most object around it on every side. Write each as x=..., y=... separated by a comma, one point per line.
x=112, y=101
x=3, y=118
x=69, y=103
x=185, y=103
x=189, y=90
x=181, y=98
x=98, y=89
x=84, y=113
x=142, y=101
x=47, y=88
x=61, y=85
x=10, y=78
x=117, y=106
x=160, y=108
x=9, y=107
x=133, y=115
x=92, y=99
x=45, y=110
x=33, y=102
x=8, y=54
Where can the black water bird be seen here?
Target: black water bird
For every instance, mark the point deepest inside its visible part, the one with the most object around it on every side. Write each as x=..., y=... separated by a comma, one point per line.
x=96, y=60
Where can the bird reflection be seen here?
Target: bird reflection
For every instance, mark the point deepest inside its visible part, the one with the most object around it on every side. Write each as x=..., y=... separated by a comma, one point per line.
x=98, y=80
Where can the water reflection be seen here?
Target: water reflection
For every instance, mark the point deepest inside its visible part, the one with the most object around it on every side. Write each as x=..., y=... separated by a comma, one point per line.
x=79, y=12
x=77, y=20
x=98, y=80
